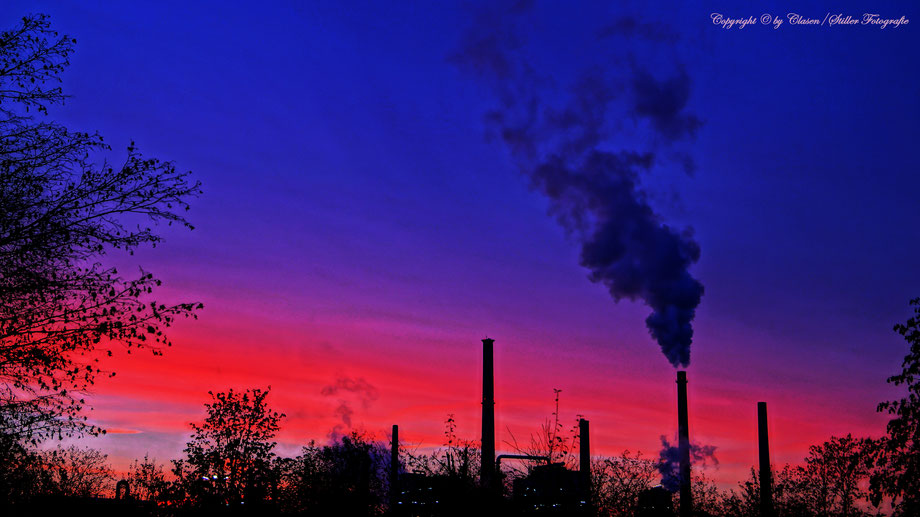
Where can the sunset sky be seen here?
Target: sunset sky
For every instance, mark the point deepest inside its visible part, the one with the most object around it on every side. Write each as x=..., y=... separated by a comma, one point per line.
x=357, y=223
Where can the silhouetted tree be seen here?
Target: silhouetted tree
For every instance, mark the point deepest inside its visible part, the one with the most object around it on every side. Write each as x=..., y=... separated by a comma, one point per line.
x=347, y=477
x=450, y=474
x=75, y=472
x=62, y=472
x=230, y=455
x=831, y=482
x=792, y=495
x=793, y=491
x=551, y=441
x=459, y=459
x=837, y=470
x=707, y=498
x=897, y=473
x=147, y=480
x=63, y=208
x=746, y=501
x=618, y=481
x=20, y=468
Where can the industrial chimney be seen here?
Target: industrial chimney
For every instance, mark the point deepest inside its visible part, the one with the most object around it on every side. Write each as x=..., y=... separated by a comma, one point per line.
x=683, y=435
x=584, y=452
x=487, y=473
x=766, y=477
x=394, y=466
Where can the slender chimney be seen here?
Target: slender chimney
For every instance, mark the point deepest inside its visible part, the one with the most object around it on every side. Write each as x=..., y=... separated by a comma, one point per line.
x=394, y=466
x=683, y=434
x=584, y=452
x=488, y=415
x=766, y=477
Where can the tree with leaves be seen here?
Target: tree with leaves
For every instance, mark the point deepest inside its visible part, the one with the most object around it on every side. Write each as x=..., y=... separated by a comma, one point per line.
x=832, y=481
x=345, y=477
x=460, y=459
x=617, y=482
x=20, y=470
x=230, y=455
x=76, y=472
x=64, y=207
x=836, y=472
x=897, y=472
x=147, y=480
x=552, y=441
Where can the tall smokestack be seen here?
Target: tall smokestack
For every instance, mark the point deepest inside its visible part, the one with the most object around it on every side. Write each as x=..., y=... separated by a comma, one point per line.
x=394, y=466
x=766, y=477
x=584, y=452
x=488, y=415
x=683, y=434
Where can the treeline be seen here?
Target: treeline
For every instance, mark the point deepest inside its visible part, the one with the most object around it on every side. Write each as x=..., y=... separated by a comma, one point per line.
x=230, y=466
x=64, y=205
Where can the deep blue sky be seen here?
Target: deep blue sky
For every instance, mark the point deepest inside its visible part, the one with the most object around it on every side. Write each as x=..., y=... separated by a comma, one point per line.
x=353, y=203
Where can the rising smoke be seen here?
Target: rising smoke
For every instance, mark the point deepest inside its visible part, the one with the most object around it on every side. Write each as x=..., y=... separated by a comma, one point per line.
x=595, y=191
x=348, y=390
x=669, y=461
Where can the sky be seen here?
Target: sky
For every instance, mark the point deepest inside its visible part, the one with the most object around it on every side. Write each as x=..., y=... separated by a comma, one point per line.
x=360, y=227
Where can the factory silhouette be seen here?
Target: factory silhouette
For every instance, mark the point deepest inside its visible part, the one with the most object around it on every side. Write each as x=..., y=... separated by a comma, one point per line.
x=550, y=488
x=373, y=480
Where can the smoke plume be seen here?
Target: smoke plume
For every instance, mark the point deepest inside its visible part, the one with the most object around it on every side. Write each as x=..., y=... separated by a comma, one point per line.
x=348, y=390
x=629, y=27
x=669, y=461
x=564, y=143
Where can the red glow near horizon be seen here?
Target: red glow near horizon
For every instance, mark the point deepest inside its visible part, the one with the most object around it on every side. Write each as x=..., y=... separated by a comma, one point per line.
x=356, y=223
x=160, y=395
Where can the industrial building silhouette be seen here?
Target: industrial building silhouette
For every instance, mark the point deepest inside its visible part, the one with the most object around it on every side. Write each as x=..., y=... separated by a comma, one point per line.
x=550, y=488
